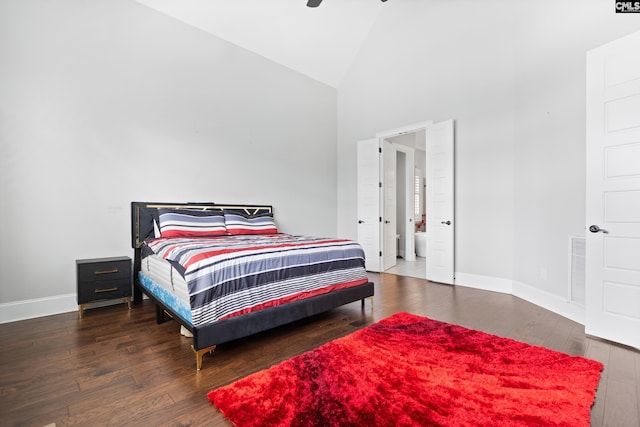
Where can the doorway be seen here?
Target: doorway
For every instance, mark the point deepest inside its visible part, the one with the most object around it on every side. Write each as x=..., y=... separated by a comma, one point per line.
x=380, y=220
x=410, y=162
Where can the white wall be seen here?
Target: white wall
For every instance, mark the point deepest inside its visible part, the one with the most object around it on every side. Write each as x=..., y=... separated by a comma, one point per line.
x=512, y=76
x=106, y=101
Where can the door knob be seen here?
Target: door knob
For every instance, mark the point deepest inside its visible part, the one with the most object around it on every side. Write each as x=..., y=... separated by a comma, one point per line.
x=386, y=221
x=596, y=229
x=445, y=222
x=360, y=221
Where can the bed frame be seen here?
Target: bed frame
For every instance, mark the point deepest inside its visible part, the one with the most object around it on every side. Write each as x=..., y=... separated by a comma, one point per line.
x=206, y=337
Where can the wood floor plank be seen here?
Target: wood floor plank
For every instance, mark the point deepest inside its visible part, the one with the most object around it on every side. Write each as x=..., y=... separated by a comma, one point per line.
x=41, y=417
x=597, y=410
x=622, y=365
x=118, y=367
x=115, y=412
x=621, y=404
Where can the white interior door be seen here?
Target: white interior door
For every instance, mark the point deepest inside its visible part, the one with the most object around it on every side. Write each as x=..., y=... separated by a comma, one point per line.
x=612, y=302
x=390, y=167
x=440, y=201
x=368, y=187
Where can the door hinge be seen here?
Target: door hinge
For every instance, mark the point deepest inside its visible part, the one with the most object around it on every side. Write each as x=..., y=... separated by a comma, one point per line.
x=380, y=253
x=380, y=150
x=380, y=219
x=380, y=184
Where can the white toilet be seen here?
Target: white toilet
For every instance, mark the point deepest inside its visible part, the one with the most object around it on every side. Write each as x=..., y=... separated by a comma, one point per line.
x=421, y=244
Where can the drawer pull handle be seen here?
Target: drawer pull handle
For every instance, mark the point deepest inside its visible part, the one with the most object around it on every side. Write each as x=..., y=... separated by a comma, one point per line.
x=98, y=291
x=115, y=270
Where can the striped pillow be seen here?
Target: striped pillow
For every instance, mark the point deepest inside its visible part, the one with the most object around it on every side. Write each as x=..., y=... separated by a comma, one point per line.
x=191, y=223
x=238, y=222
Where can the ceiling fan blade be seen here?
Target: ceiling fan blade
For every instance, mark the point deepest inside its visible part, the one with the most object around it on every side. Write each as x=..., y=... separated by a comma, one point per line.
x=316, y=3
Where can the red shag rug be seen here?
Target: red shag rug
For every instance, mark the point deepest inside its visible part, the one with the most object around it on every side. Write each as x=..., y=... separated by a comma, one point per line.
x=408, y=370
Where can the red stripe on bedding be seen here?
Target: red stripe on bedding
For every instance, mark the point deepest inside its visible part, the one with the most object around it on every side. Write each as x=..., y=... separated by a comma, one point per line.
x=240, y=230
x=296, y=297
x=191, y=233
x=204, y=255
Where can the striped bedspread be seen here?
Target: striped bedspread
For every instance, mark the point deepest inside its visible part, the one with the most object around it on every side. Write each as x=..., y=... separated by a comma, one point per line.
x=232, y=275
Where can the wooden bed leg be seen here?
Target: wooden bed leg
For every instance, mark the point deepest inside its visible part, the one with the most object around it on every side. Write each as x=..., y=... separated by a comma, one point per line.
x=370, y=299
x=200, y=353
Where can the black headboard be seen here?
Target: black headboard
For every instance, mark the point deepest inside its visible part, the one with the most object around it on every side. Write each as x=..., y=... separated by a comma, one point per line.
x=143, y=214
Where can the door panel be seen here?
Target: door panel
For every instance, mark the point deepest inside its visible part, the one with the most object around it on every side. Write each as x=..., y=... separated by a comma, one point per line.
x=613, y=192
x=619, y=113
x=368, y=188
x=622, y=206
x=621, y=299
x=620, y=160
x=622, y=253
x=440, y=223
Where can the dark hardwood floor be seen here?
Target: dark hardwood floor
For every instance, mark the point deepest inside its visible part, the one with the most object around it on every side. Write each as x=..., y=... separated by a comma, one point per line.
x=118, y=367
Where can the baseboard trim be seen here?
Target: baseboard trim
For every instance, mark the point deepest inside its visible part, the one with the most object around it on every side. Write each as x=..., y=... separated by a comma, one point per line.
x=40, y=307
x=549, y=301
x=29, y=309
x=486, y=283
x=544, y=299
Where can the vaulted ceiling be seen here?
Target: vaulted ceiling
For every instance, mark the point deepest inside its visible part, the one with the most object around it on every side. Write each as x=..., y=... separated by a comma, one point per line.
x=320, y=42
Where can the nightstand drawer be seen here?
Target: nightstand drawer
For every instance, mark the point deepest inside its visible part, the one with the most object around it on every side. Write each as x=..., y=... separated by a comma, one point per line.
x=103, y=269
x=103, y=289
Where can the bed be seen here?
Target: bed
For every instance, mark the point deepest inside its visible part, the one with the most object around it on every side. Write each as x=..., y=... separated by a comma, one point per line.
x=225, y=272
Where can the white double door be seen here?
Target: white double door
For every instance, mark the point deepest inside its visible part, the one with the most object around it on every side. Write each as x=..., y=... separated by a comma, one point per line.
x=612, y=301
x=377, y=228
x=377, y=221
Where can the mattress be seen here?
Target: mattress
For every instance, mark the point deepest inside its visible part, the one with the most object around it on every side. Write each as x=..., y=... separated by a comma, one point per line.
x=161, y=278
